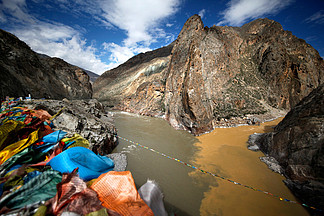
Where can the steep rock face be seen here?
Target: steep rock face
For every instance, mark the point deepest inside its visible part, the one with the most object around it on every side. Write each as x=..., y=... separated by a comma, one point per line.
x=290, y=67
x=224, y=72
x=297, y=143
x=187, y=102
x=220, y=76
x=25, y=72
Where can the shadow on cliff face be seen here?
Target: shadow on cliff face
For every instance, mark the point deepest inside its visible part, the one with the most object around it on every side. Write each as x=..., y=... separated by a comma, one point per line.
x=269, y=128
x=297, y=144
x=24, y=72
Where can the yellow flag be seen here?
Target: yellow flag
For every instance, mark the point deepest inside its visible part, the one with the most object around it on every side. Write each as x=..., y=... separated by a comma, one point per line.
x=17, y=147
x=79, y=141
x=8, y=127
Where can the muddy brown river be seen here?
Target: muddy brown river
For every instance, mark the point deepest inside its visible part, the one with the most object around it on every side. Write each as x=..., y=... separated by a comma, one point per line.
x=223, y=152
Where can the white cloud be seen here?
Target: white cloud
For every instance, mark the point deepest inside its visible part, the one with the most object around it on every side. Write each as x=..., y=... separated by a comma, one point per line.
x=318, y=17
x=202, y=13
x=62, y=42
x=120, y=54
x=241, y=11
x=2, y=17
x=139, y=18
x=169, y=38
x=169, y=25
x=17, y=10
x=311, y=38
x=53, y=39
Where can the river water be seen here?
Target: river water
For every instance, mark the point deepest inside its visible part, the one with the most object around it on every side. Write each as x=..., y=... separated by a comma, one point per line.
x=223, y=152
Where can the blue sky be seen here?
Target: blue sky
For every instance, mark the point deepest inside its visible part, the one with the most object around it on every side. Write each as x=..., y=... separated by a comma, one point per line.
x=98, y=35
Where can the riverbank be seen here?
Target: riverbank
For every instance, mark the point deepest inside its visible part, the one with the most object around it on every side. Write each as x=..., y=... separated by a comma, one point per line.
x=296, y=148
x=50, y=171
x=195, y=193
x=186, y=192
x=249, y=119
x=224, y=152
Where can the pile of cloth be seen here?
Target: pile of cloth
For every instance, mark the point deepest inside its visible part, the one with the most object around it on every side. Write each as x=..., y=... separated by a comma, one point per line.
x=44, y=172
x=10, y=102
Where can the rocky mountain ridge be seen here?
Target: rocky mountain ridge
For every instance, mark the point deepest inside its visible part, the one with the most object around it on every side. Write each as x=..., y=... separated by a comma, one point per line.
x=92, y=76
x=217, y=76
x=24, y=72
x=121, y=82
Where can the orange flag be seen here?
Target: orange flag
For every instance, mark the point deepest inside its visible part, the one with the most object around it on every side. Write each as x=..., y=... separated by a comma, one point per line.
x=118, y=192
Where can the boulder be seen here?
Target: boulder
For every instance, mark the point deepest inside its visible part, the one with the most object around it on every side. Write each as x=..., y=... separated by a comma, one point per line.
x=297, y=144
x=86, y=118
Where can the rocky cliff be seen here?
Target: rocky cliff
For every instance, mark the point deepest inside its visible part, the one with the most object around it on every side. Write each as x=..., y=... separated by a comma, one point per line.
x=297, y=144
x=216, y=76
x=25, y=72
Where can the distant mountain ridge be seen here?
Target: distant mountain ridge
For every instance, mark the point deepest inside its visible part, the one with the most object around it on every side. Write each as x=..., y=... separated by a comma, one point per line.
x=111, y=86
x=93, y=76
x=211, y=77
x=23, y=72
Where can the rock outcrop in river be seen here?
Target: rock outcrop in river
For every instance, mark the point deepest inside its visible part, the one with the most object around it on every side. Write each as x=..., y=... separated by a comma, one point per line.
x=217, y=76
x=297, y=144
x=23, y=72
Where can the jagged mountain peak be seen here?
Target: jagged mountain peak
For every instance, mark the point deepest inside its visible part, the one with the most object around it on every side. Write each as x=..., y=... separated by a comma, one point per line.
x=258, y=25
x=219, y=76
x=194, y=23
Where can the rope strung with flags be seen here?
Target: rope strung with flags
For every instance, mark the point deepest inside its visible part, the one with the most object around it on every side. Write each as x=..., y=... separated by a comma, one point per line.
x=217, y=176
